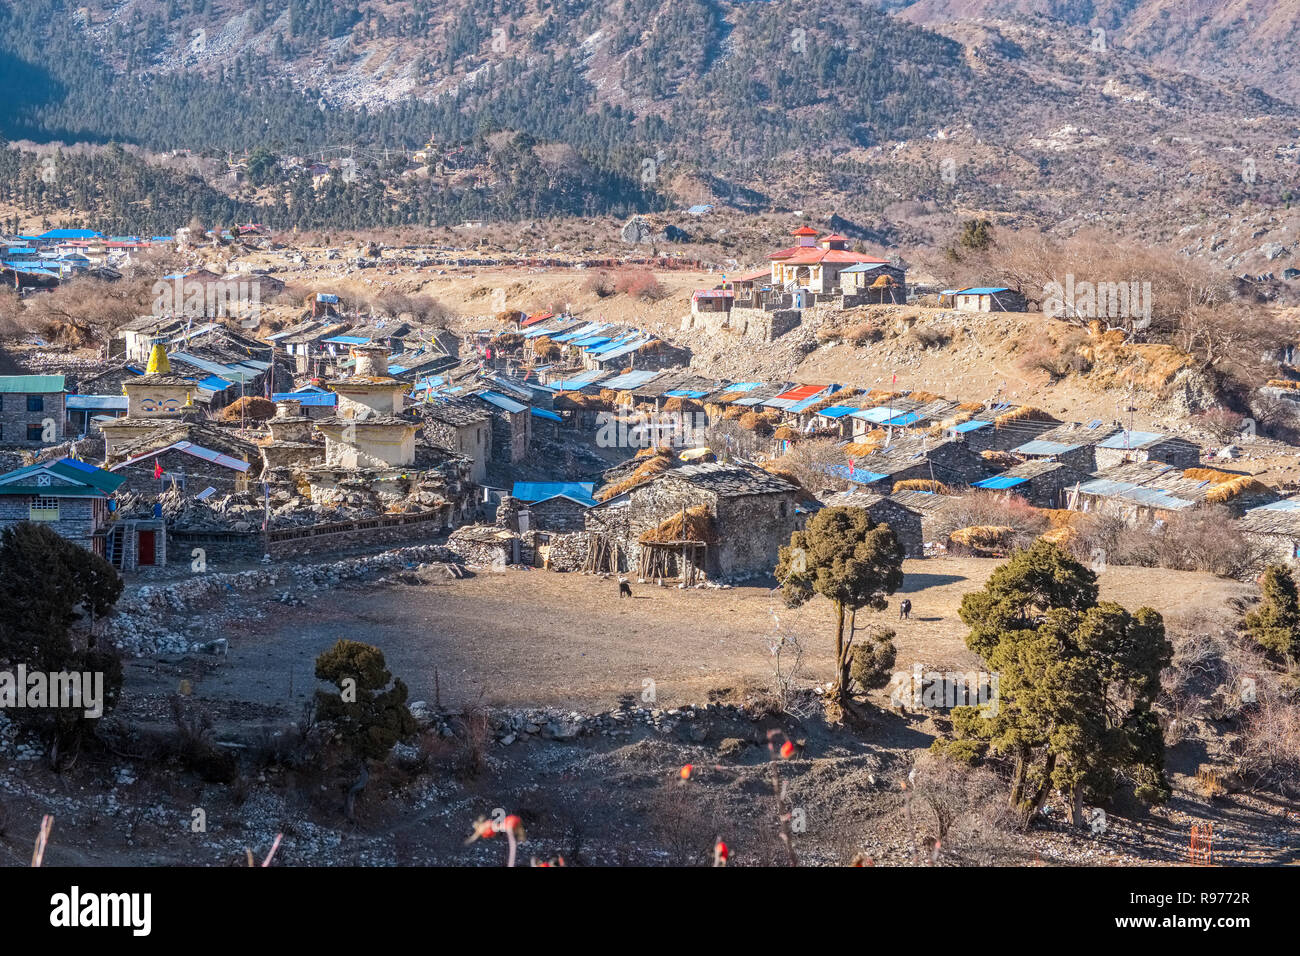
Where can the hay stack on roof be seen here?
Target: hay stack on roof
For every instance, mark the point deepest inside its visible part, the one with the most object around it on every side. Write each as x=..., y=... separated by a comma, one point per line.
x=786, y=433
x=577, y=401
x=682, y=405
x=923, y=484
x=694, y=525
x=1025, y=413
x=1240, y=485
x=1212, y=475
x=648, y=468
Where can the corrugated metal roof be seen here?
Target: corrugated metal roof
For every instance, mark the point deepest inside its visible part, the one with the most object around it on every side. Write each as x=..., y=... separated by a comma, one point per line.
x=580, y=381
x=631, y=379
x=800, y=392
x=1127, y=439
x=86, y=402
x=903, y=420
x=500, y=401
x=31, y=384
x=1286, y=504
x=606, y=355
x=857, y=475
x=685, y=393
x=308, y=399
x=837, y=411
x=1041, y=447
x=982, y=290
x=998, y=482
x=876, y=416
x=968, y=426
x=546, y=414
x=70, y=469
x=535, y=491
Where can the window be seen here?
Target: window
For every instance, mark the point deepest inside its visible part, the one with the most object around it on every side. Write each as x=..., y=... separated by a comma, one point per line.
x=44, y=508
x=36, y=403
x=34, y=432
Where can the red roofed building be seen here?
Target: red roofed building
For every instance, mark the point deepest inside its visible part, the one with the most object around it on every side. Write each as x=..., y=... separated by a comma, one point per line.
x=815, y=264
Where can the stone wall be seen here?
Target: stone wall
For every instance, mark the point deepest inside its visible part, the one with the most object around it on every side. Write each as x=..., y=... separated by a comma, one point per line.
x=15, y=418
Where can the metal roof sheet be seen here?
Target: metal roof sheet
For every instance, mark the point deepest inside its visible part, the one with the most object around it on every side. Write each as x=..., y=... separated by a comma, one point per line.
x=968, y=426
x=502, y=402
x=31, y=384
x=1042, y=447
x=837, y=411
x=631, y=379
x=998, y=482
x=536, y=491
x=1131, y=439
x=550, y=416
x=85, y=402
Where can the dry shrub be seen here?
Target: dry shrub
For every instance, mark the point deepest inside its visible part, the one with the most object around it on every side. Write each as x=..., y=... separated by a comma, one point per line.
x=982, y=540
x=926, y=337
x=1224, y=424
x=639, y=284
x=962, y=809
x=807, y=462
x=599, y=284
x=994, y=509
x=1200, y=539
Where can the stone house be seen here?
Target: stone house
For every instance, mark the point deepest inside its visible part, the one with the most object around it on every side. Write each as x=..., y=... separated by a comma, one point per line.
x=986, y=299
x=1128, y=445
x=1043, y=482
x=559, y=506
x=512, y=427
x=1275, y=526
x=32, y=410
x=913, y=457
x=461, y=426
x=68, y=495
x=186, y=466
x=750, y=513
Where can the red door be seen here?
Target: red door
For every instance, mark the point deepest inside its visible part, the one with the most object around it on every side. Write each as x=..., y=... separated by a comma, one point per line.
x=145, y=547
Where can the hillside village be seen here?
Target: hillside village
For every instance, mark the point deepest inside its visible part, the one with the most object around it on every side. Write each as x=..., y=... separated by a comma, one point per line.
x=267, y=470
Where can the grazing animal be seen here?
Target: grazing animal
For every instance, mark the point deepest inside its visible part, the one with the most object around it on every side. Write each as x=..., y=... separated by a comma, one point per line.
x=624, y=589
x=905, y=609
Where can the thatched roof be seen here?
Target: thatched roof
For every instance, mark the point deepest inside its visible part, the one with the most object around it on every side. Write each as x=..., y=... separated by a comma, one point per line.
x=1240, y=485
x=575, y=401
x=682, y=405
x=1025, y=413
x=696, y=526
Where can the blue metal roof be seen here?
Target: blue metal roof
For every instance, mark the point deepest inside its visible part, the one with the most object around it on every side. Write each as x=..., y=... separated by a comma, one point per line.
x=71, y=234
x=876, y=416
x=968, y=426
x=547, y=414
x=590, y=329
x=215, y=383
x=998, y=482
x=308, y=399
x=1041, y=447
x=743, y=386
x=837, y=411
x=535, y=491
x=865, y=267
x=857, y=475
x=685, y=393
x=349, y=340
x=907, y=418
x=580, y=381
x=1127, y=439
x=982, y=290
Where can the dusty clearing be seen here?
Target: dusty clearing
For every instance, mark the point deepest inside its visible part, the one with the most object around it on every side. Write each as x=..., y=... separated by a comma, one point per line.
x=531, y=638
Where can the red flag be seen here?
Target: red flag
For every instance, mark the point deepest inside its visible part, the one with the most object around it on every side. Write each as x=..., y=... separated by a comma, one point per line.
x=852, y=469
x=157, y=468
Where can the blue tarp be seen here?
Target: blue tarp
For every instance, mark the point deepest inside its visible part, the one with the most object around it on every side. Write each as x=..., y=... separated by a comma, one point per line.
x=998, y=482
x=685, y=393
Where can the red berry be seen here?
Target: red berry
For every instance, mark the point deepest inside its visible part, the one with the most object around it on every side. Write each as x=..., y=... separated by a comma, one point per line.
x=787, y=750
